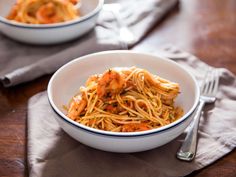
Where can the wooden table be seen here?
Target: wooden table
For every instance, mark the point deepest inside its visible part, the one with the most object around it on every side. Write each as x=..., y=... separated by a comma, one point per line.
x=205, y=28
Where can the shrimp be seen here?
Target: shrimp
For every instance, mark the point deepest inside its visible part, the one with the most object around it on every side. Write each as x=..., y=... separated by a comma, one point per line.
x=110, y=83
x=76, y=107
x=135, y=127
x=48, y=14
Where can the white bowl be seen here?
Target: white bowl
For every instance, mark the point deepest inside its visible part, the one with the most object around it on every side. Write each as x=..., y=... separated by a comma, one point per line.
x=66, y=82
x=50, y=33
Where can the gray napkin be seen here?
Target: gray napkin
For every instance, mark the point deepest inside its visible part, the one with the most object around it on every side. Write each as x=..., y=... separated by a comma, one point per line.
x=21, y=62
x=51, y=152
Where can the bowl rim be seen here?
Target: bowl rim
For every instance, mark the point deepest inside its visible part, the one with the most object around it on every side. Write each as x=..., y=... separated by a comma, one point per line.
x=91, y=14
x=123, y=134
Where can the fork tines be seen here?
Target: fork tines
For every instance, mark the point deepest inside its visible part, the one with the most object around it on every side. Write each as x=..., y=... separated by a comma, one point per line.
x=210, y=82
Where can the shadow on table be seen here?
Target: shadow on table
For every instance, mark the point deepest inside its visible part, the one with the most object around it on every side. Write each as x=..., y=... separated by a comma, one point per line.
x=70, y=158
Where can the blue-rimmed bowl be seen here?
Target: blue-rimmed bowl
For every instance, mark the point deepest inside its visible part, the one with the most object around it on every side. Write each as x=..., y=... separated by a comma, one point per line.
x=44, y=34
x=65, y=83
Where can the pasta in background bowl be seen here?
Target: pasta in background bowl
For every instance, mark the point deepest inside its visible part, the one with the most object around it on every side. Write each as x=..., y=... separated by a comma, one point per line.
x=43, y=11
x=65, y=83
x=34, y=26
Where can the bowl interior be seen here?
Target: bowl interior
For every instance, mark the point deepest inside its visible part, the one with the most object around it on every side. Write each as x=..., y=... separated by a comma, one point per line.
x=67, y=80
x=87, y=6
x=5, y=7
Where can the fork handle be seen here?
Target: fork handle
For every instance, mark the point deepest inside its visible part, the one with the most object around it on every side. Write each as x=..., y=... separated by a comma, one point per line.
x=187, y=150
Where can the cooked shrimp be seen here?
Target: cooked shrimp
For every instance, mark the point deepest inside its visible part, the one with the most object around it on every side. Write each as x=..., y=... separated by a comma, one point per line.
x=76, y=107
x=135, y=127
x=48, y=14
x=110, y=83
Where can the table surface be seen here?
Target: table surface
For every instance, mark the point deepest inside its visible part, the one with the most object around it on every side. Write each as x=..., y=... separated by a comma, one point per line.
x=204, y=28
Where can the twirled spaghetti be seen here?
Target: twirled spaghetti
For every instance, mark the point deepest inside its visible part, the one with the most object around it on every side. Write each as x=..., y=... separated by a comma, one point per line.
x=125, y=100
x=43, y=11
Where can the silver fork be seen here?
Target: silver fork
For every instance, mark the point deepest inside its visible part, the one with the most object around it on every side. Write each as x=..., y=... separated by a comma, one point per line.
x=209, y=89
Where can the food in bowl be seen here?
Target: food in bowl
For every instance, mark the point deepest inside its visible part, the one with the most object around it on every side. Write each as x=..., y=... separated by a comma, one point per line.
x=43, y=11
x=125, y=99
x=66, y=81
x=52, y=33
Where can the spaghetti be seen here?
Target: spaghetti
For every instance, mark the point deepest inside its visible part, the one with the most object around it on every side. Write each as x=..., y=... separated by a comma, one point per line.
x=125, y=100
x=43, y=11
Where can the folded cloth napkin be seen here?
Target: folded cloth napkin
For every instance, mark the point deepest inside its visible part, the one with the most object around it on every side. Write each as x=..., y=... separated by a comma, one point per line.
x=51, y=152
x=21, y=63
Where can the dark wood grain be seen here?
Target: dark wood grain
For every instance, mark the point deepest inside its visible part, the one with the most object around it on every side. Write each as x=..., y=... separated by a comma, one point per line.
x=205, y=28
x=13, y=126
